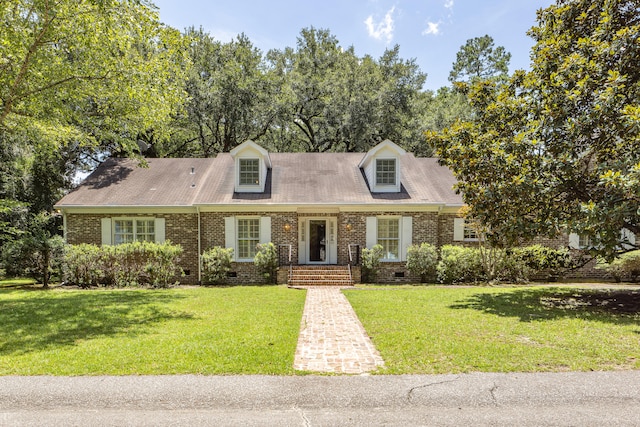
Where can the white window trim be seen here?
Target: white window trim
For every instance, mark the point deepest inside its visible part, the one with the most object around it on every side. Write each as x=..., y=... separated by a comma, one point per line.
x=237, y=238
x=399, y=220
x=395, y=163
x=459, y=227
x=385, y=188
x=109, y=233
x=246, y=188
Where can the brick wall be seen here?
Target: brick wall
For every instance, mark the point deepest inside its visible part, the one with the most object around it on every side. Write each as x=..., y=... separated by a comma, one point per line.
x=181, y=229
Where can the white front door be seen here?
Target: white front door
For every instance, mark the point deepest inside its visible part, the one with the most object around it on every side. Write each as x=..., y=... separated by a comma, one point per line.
x=317, y=242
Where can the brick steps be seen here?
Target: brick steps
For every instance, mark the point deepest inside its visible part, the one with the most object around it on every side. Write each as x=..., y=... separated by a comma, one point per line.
x=320, y=276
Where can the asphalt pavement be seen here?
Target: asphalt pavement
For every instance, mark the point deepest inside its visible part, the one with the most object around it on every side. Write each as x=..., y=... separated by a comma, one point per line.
x=478, y=399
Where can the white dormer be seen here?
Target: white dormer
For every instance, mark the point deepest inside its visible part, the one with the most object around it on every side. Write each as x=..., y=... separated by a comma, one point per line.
x=251, y=165
x=381, y=166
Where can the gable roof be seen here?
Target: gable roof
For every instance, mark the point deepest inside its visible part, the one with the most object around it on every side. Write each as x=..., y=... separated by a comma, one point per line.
x=294, y=179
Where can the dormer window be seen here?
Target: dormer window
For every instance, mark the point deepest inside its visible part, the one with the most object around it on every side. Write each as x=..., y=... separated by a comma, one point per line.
x=252, y=164
x=249, y=172
x=381, y=167
x=385, y=172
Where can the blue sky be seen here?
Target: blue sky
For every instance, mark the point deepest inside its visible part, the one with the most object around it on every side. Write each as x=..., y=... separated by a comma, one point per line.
x=431, y=31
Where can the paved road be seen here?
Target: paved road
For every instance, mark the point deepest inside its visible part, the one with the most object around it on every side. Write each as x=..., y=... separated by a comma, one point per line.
x=564, y=399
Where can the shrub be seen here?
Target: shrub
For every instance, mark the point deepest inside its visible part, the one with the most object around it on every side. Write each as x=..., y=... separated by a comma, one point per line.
x=83, y=265
x=216, y=263
x=371, y=262
x=162, y=263
x=538, y=259
x=459, y=264
x=422, y=260
x=626, y=265
x=266, y=260
x=130, y=264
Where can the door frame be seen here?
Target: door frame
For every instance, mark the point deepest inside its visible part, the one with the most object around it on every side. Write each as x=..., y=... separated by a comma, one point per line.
x=304, y=241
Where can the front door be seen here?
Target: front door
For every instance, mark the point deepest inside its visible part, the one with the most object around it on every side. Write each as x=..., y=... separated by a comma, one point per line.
x=317, y=241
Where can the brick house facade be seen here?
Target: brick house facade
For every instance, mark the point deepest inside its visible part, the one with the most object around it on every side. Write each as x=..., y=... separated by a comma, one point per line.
x=315, y=205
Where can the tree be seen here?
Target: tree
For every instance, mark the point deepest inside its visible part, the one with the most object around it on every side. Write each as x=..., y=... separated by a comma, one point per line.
x=87, y=72
x=478, y=59
x=557, y=149
x=329, y=99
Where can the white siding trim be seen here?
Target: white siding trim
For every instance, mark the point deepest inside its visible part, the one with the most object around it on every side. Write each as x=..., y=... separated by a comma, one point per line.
x=406, y=239
x=458, y=229
x=230, y=234
x=107, y=236
x=372, y=231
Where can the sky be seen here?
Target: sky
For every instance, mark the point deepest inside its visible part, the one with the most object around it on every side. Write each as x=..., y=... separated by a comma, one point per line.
x=429, y=31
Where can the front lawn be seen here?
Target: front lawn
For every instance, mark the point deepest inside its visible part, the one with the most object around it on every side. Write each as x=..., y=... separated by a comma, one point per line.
x=239, y=330
x=426, y=330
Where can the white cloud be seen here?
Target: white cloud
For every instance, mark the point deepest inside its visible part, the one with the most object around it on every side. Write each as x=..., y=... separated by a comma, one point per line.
x=382, y=30
x=432, y=28
x=448, y=4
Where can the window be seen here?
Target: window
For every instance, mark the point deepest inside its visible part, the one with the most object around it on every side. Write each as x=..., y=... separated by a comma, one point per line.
x=249, y=172
x=248, y=237
x=470, y=233
x=389, y=237
x=584, y=241
x=386, y=172
x=130, y=230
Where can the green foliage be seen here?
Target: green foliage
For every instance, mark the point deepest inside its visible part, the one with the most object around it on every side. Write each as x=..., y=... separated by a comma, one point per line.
x=37, y=251
x=84, y=70
x=216, y=263
x=543, y=259
x=266, y=260
x=130, y=264
x=478, y=59
x=626, y=265
x=459, y=264
x=422, y=260
x=557, y=149
x=370, y=261
x=83, y=264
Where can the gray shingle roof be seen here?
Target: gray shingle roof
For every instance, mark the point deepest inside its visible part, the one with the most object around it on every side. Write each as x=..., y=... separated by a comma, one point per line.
x=294, y=179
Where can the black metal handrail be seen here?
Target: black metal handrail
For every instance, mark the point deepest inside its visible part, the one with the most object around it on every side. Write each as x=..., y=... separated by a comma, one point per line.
x=354, y=254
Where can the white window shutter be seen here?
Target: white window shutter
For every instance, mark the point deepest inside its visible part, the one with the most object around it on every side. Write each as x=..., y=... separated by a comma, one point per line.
x=407, y=236
x=629, y=238
x=265, y=229
x=372, y=231
x=106, y=231
x=159, y=227
x=574, y=241
x=230, y=234
x=458, y=229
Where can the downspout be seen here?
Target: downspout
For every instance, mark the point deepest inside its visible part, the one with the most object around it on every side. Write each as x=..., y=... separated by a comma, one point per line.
x=199, y=248
x=64, y=225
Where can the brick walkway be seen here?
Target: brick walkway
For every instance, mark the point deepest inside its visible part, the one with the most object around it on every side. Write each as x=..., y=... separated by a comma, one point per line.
x=332, y=338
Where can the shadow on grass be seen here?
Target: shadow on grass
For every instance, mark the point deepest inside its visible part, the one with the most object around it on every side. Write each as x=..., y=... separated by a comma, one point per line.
x=621, y=307
x=44, y=321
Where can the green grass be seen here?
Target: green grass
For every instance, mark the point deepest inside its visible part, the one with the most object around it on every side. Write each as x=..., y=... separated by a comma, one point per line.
x=444, y=330
x=238, y=330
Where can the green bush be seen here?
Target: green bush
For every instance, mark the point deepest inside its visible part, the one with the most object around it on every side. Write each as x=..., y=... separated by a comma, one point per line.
x=266, y=260
x=626, y=265
x=459, y=264
x=216, y=263
x=371, y=262
x=130, y=264
x=422, y=260
x=83, y=265
x=538, y=259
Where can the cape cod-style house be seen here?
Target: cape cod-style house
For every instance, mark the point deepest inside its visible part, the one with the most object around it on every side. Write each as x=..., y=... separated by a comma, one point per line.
x=319, y=209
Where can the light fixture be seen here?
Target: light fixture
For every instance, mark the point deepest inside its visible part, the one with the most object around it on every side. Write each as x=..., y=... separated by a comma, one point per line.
x=287, y=227
x=348, y=226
